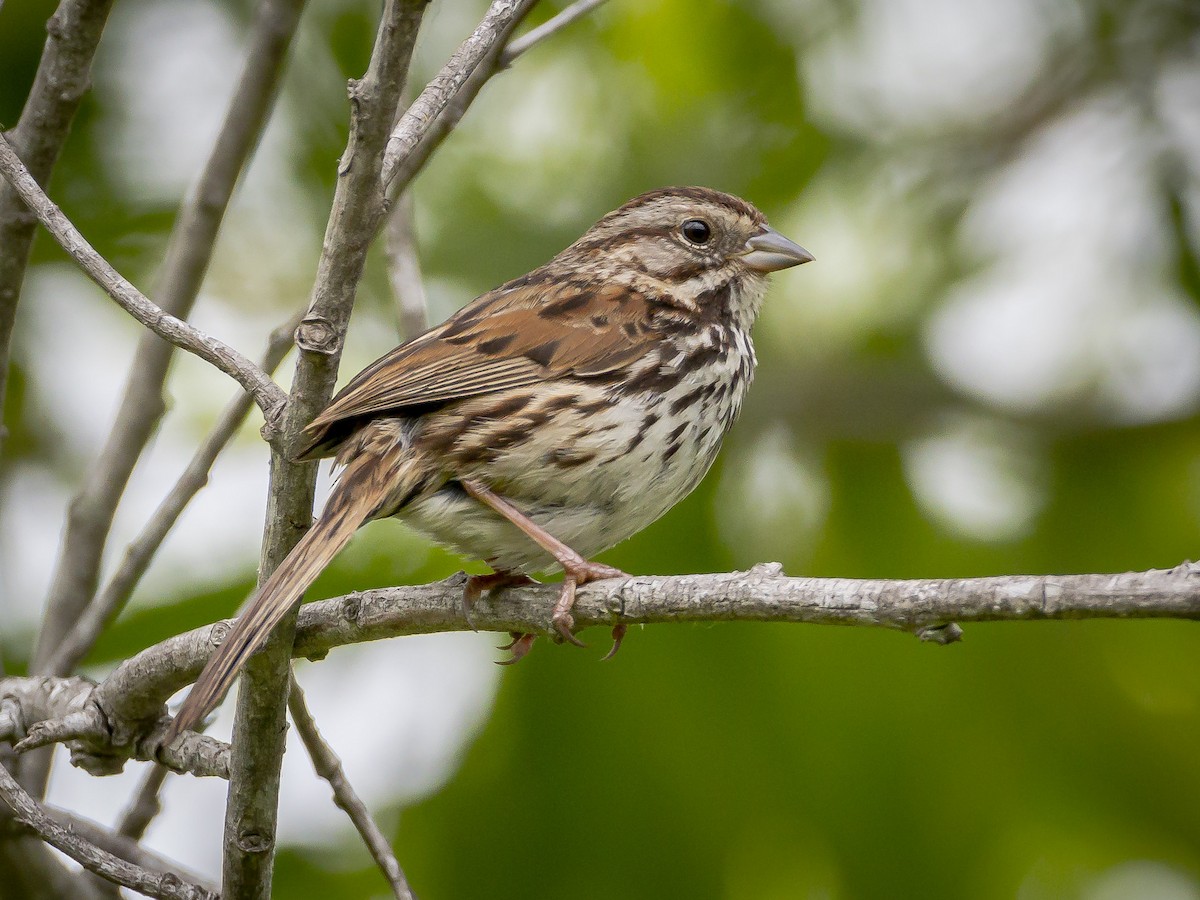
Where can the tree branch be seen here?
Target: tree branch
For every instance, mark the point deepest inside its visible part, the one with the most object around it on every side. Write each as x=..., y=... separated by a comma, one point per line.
x=122, y=847
x=400, y=162
x=116, y=593
x=551, y=26
x=30, y=813
x=327, y=765
x=145, y=805
x=404, y=270
x=266, y=393
x=358, y=208
x=130, y=700
x=188, y=255
x=63, y=77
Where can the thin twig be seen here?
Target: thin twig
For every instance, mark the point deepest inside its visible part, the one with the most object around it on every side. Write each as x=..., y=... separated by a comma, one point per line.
x=116, y=593
x=30, y=813
x=553, y=25
x=477, y=50
x=359, y=205
x=189, y=252
x=404, y=270
x=63, y=78
x=123, y=847
x=266, y=393
x=453, y=111
x=146, y=804
x=328, y=766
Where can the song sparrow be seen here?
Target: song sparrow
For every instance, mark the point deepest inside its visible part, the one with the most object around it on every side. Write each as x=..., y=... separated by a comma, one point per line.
x=548, y=419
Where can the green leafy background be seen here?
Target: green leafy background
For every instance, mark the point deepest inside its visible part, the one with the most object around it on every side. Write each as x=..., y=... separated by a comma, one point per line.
x=754, y=761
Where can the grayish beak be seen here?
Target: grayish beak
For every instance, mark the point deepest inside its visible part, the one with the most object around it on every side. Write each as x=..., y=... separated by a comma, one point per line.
x=770, y=251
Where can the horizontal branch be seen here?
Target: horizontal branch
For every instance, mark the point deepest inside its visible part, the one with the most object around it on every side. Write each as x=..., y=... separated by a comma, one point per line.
x=267, y=394
x=124, y=712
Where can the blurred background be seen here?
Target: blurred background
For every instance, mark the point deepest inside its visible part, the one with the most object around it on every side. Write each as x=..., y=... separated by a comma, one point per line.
x=993, y=367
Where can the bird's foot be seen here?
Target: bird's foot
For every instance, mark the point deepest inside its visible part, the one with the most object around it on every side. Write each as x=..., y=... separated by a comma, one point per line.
x=518, y=646
x=579, y=572
x=478, y=585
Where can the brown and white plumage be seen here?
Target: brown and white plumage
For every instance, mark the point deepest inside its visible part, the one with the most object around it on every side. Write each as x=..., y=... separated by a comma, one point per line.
x=588, y=396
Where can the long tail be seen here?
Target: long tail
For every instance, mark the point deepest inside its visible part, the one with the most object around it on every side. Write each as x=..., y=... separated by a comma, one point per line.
x=370, y=481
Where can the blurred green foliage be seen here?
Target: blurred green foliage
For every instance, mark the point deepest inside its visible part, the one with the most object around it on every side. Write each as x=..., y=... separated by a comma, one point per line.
x=1037, y=759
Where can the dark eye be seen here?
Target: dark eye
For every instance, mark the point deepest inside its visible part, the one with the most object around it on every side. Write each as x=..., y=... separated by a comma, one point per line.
x=697, y=231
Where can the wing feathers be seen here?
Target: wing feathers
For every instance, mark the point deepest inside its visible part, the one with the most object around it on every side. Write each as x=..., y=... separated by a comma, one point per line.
x=519, y=334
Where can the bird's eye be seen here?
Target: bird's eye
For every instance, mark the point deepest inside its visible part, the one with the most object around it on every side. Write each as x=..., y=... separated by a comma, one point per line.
x=697, y=231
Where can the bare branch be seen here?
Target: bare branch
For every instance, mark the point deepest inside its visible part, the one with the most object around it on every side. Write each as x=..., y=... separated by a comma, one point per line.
x=404, y=270
x=400, y=162
x=123, y=847
x=431, y=135
x=130, y=700
x=358, y=208
x=144, y=806
x=30, y=813
x=189, y=252
x=48, y=709
x=328, y=766
x=534, y=36
x=63, y=77
x=266, y=393
x=116, y=593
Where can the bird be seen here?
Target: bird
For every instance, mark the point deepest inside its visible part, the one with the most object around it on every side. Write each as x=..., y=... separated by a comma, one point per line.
x=548, y=419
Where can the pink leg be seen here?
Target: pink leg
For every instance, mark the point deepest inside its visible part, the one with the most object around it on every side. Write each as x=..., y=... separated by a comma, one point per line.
x=576, y=569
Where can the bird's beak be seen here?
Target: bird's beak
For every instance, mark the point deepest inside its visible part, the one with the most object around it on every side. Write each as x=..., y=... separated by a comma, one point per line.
x=770, y=251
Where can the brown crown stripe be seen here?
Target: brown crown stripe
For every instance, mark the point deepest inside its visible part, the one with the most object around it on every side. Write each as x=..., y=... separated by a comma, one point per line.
x=699, y=194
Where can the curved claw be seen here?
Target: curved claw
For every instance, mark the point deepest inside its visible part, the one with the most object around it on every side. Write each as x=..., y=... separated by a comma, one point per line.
x=470, y=594
x=516, y=636
x=563, y=625
x=520, y=645
x=618, y=635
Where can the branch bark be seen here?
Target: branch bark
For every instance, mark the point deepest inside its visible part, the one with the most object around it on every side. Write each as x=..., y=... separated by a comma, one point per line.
x=30, y=813
x=188, y=255
x=358, y=209
x=327, y=765
x=118, y=715
x=63, y=77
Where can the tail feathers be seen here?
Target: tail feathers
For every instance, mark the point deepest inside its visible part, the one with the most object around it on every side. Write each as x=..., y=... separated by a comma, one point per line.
x=366, y=484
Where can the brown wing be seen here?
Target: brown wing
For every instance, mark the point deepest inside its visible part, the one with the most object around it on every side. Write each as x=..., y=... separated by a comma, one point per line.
x=516, y=335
